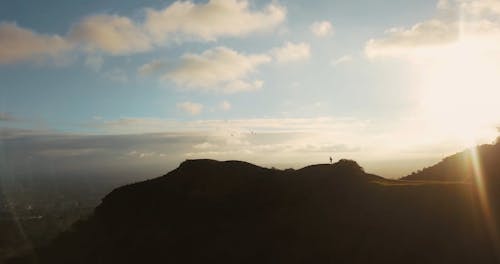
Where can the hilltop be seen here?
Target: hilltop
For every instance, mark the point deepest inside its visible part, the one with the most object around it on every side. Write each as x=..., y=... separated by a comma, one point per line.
x=237, y=212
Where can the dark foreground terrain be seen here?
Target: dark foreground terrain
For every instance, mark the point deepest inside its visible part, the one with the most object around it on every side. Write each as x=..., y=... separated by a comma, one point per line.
x=207, y=211
x=35, y=208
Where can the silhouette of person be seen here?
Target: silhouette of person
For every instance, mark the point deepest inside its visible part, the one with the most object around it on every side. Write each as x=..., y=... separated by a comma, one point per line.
x=331, y=160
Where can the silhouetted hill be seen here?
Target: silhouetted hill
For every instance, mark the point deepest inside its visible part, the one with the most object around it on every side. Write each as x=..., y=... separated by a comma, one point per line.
x=460, y=167
x=207, y=211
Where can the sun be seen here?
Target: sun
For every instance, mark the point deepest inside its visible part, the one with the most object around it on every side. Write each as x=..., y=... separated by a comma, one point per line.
x=460, y=92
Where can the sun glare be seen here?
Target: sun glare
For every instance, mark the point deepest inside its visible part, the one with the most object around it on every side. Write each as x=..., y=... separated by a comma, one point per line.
x=460, y=83
x=459, y=92
x=460, y=88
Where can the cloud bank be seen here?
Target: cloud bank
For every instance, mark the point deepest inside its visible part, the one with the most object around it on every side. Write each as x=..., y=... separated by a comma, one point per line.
x=120, y=35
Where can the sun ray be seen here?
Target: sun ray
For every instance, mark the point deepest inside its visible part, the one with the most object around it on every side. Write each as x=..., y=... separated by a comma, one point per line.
x=479, y=78
x=482, y=193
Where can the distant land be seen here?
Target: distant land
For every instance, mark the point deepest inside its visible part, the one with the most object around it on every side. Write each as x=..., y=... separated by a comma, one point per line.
x=208, y=211
x=36, y=207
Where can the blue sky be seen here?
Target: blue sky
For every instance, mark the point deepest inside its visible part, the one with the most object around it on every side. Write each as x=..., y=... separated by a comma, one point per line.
x=83, y=93
x=274, y=82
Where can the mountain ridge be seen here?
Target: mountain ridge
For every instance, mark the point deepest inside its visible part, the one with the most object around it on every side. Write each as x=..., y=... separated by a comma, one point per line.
x=237, y=212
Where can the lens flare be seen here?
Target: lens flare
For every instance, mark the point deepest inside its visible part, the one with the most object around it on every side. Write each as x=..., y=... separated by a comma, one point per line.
x=481, y=74
x=483, y=198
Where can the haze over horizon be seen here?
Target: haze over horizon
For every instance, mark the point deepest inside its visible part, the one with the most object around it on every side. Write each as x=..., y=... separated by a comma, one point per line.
x=129, y=87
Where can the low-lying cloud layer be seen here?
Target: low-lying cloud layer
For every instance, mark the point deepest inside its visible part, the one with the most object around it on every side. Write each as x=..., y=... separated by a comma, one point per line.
x=158, y=145
x=138, y=143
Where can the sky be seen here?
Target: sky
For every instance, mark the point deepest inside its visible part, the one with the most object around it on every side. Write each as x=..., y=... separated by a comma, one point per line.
x=139, y=86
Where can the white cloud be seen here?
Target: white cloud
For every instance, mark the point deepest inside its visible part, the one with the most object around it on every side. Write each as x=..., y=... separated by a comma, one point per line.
x=120, y=35
x=478, y=24
x=19, y=44
x=403, y=41
x=292, y=52
x=322, y=28
x=204, y=146
x=443, y=4
x=225, y=105
x=143, y=155
x=190, y=107
x=242, y=86
x=220, y=69
x=182, y=20
x=152, y=67
x=211, y=20
x=341, y=60
x=112, y=34
x=481, y=7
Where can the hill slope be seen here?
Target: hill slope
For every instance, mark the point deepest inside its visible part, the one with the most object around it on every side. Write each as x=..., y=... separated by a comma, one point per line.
x=207, y=211
x=460, y=167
